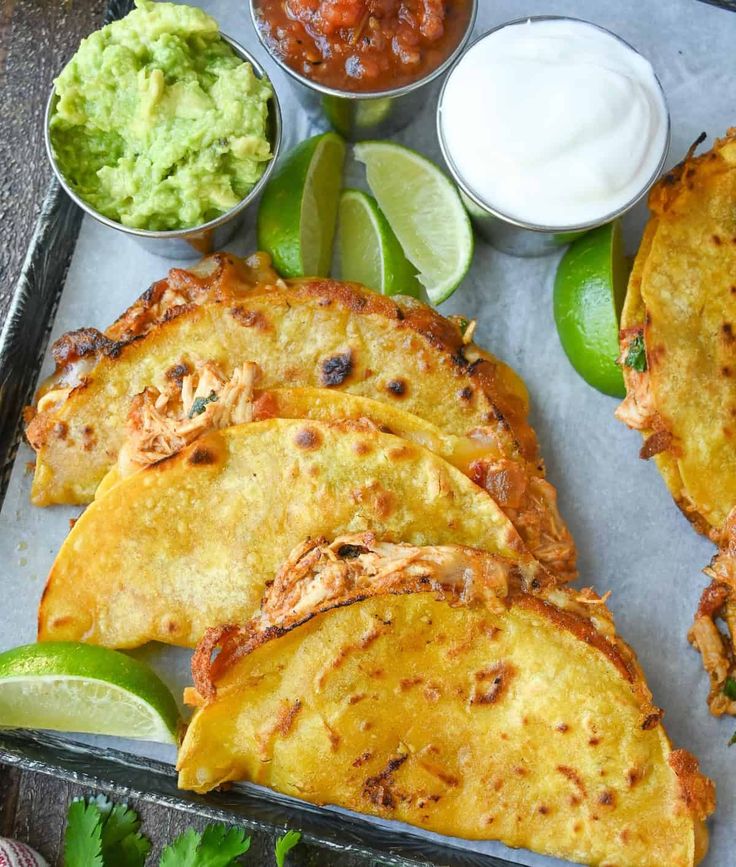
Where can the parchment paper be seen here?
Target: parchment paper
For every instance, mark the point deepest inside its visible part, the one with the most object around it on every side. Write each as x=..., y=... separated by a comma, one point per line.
x=631, y=538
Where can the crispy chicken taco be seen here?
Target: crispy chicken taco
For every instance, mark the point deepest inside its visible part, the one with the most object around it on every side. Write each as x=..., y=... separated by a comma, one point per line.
x=428, y=685
x=162, y=422
x=313, y=333
x=190, y=541
x=678, y=337
x=307, y=333
x=678, y=352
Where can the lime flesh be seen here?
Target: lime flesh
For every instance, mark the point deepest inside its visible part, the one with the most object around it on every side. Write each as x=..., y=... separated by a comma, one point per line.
x=368, y=250
x=424, y=210
x=73, y=687
x=298, y=210
x=589, y=292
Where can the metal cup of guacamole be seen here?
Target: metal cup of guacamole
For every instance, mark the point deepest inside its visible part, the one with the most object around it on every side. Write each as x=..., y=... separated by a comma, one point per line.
x=370, y=76
x=201, y=152
x=551, y=126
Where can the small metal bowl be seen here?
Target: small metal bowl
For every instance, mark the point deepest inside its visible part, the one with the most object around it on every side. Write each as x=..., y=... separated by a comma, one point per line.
x=374, y=114
x=516, y=237
x=196, y=241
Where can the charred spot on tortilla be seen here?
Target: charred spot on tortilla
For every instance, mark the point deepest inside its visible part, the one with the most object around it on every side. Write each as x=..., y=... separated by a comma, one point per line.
x=308, y=438
x=491, y=683
x=402, y=452
x=656, y=443
x=336, y=369
x=397, y=387
x=89, y=440
x=379, y=788
x=362, y=448
x=79, y=344
x=653, y=719
x=465, y=393
x=250, y=318
x=177, y=372
x=351, y=552
x=202, y=456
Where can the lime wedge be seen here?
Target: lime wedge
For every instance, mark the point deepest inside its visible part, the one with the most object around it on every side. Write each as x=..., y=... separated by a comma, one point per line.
x=589, y=292
x=74, y=687
x=298, y=210
x=424, y=210
x=368, y=250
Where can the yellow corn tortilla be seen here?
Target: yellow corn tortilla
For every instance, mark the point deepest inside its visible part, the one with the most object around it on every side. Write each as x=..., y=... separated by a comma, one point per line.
x=307, y=333
x=682, y=295
x=522, y=719
x=190, y=542
x=530, y=502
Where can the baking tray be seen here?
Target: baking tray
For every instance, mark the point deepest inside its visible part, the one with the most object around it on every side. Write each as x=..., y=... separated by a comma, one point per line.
x=327, y=838
x=330, y=837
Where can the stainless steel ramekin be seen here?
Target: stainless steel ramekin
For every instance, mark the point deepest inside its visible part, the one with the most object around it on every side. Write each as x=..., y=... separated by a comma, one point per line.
x=374, y=114
x=517, y=237
x=198, y=240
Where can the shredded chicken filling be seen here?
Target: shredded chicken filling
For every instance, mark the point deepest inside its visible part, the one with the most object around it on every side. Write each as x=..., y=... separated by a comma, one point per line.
x=637, y=410
x=713, y=633
x=319, y=575
x=162, y=422
x=530, y=503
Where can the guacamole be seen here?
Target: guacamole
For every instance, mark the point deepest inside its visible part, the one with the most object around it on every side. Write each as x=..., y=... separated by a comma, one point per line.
x=159, y=124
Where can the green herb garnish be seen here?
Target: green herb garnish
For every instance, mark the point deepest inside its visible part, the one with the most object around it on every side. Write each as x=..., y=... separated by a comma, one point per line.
x=285, y=844
x=636, y=356
x=216, y=846
x=83, y=837
x=729, y=688
x=733, y=740
x=102, y=834
x=200, y=404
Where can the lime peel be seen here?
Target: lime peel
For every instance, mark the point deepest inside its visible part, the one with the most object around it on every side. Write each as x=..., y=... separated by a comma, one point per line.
x=298, y=210
x=424, y=209
x=369, y=252
x=67, y=686
x=589, y=289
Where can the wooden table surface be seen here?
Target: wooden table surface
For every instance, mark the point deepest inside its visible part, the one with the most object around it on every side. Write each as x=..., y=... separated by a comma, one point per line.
x=36, y=38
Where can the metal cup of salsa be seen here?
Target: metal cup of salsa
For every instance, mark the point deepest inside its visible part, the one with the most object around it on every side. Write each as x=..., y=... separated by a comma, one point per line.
x=363, y=65
x=196, y=241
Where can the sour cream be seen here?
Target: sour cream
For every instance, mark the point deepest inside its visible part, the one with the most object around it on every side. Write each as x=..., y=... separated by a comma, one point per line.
x=554, y=123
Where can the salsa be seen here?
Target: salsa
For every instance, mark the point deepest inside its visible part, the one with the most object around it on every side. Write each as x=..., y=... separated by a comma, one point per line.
x=363, y=45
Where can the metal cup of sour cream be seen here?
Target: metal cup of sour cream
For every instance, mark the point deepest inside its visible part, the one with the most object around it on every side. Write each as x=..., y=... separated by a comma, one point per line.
x=551, y=126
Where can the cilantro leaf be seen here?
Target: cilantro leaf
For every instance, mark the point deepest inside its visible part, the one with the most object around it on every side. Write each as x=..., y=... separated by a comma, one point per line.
x=102, y=834
x=83, y=836
x=131, y=851
x=284, y=845
x=217, y=846
x=183, y=851
x=200, y=404
x=636, y=356
x=221, y=845
x=729, y=688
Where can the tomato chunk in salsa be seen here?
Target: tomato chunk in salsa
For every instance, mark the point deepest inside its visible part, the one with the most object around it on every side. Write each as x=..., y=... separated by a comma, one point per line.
x=363, y=45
